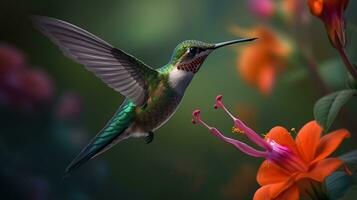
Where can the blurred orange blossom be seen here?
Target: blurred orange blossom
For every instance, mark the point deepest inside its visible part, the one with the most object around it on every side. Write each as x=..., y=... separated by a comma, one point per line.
x=260, y=62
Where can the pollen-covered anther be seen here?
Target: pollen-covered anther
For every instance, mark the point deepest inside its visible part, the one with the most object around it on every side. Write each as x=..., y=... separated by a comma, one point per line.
x=237, y=130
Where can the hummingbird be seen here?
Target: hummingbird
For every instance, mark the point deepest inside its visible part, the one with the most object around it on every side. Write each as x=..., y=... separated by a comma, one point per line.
x=152, y=95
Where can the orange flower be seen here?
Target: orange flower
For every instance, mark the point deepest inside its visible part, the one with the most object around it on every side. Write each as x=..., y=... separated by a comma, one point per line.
x=259, y=63
x=289, y=164
x=331, y=12
x=281, y=180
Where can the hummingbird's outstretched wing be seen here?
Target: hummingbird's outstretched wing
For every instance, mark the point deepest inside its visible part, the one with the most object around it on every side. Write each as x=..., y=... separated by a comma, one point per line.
x=119, y=70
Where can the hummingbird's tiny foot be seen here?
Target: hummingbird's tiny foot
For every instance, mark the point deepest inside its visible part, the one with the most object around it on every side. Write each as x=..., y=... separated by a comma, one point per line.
x=149, y=138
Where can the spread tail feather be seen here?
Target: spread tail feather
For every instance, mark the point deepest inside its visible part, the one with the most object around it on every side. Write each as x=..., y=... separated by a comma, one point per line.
x=115, y=131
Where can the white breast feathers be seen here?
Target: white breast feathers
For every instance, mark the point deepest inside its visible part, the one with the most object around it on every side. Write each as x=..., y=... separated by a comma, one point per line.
x=179, y=80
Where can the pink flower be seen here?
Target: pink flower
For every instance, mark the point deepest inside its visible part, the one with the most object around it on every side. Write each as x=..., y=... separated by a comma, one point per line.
x=261, y=8
x=10, y=59
x=69, y=107
x=21, y=87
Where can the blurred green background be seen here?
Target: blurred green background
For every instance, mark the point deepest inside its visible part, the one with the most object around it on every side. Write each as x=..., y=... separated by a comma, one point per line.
x=183, y=161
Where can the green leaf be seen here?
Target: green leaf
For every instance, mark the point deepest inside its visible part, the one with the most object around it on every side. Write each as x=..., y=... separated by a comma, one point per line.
x=350, y=157
x=327, y=108
x=338, y=184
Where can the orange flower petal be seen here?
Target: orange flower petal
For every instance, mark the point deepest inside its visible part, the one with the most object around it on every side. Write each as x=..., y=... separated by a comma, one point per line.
x=322, y=169
x=248, y=66
x=315, y=6
x=277, y=188
x=281, y=136
x=291, y=193
x=262, y=193
x=266, y=79
x=270, y=173
x=272, y=191
x=329, y=143
x=307, y=140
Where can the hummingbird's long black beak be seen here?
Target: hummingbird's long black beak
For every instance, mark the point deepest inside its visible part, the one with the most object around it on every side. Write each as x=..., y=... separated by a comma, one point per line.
x=222, y=44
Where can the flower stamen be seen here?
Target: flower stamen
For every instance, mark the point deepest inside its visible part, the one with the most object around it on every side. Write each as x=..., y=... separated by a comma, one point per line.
x=238, y=144
x=237, y=130
x=252, y=135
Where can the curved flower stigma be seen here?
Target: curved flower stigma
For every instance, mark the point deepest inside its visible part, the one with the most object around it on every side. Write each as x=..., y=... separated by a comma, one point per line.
x=218, y=103
x=197, y=118
x=252, y=135
x=238, y=144
x=273, y=151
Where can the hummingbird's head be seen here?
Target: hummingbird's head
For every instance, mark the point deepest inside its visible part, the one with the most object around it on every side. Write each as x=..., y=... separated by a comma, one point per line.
x=190, y=54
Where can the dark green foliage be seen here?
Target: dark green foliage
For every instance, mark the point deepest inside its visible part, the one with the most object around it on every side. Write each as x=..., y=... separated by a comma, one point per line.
x=327, y=108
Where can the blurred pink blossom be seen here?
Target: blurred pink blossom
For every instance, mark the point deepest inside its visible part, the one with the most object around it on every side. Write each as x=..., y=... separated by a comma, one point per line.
x=261, y=8
x=21, y=87
x=69, y=107
x=37, y=85
x=10, y=59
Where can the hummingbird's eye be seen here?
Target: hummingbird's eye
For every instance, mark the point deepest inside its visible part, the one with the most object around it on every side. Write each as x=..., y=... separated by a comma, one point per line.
x=191, y=52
